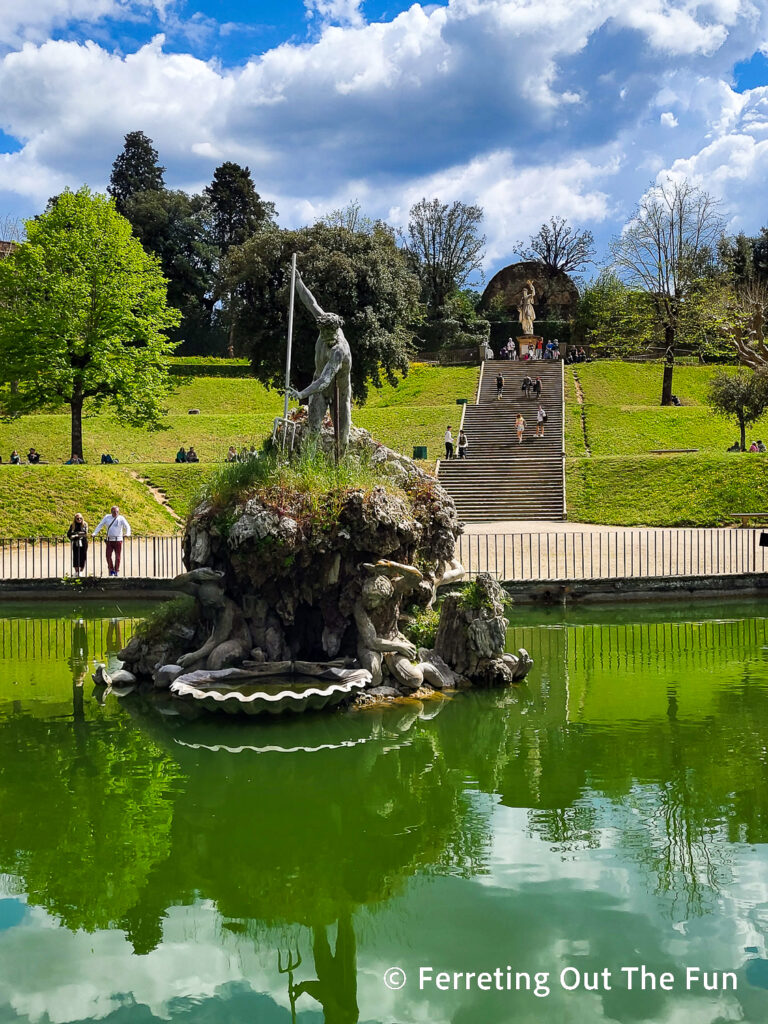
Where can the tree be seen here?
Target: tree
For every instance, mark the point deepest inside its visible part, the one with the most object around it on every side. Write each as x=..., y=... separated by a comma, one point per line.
x=736, y=256
x=667, y=250
x=445, y=247
x=363, y=277
x=613, y=318
x=350, y=217
x=135, y=170
x=742, y=396
x=174, y=226
x=558, y=246
x=236, y=211
x=82, y=317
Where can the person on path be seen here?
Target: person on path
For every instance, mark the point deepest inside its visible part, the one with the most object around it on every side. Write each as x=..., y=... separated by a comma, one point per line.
x=463, y=445
x=117, y=528
x=448, y=443
x=541, y=419
x=526, y=386
x=499, y=385
x=519, y=427
x=78, y=535
x=537, y=388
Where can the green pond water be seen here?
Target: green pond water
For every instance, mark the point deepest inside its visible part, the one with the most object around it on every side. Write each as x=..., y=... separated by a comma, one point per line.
x=610, y=813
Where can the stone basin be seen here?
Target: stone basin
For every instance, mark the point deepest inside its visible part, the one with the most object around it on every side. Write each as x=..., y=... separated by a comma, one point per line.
x=248, y=692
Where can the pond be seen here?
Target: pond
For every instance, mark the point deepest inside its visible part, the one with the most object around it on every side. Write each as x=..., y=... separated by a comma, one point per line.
x=608, y=815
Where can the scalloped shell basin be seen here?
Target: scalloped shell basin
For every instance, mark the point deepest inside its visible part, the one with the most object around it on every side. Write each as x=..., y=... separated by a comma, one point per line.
x=238, y=692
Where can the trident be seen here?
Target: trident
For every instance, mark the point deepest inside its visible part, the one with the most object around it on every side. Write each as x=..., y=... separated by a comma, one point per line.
x=283, y=427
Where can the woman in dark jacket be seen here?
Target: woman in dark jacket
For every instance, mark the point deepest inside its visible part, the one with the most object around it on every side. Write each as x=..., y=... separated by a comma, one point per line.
x=78, y=534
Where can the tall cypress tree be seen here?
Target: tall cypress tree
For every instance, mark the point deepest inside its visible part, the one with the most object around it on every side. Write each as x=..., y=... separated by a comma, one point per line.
x=236, y=212
x=236, y=208
x=135, y=170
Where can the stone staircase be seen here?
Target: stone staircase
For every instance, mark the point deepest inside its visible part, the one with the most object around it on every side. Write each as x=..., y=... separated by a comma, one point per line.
x=501, y=479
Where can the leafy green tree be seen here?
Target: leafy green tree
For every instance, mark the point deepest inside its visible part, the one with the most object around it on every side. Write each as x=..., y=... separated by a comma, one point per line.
x=135, y=170
x=742, y=396
x=445, y=247
x=174, y=226
x=667, y=250
x=363, y=277
x=83, y=313
x=735, y=255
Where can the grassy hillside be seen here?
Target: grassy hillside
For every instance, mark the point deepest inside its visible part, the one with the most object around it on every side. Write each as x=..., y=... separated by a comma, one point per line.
x=43, y=499
x=622, y=483
x=618, y=483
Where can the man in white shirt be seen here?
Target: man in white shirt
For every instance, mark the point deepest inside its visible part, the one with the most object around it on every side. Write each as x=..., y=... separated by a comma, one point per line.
x=448, y=443
x=117, y=527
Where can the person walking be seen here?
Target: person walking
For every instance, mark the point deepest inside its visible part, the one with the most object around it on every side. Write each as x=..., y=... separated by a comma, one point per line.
x=448, y=443
x=117, y=527
x=499, y=385
x=463, y=445
x=519, y=427
x=541, y=419
x=78, y=535
x=536, y=387
x=526, y=386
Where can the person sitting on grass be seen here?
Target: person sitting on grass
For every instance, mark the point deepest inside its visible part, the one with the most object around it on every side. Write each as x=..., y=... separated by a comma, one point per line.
x=15, y=458
x=181, y=455
x=107, y=459
x=33, y=457
x=74, y=460
x=192, y=455
x=232, y=454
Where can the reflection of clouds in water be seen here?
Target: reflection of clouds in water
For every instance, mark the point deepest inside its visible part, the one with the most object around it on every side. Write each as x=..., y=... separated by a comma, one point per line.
x=89, y=976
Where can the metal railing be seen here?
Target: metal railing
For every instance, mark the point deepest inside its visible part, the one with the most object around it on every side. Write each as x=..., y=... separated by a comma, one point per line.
x=613, y=554
x=143, y=557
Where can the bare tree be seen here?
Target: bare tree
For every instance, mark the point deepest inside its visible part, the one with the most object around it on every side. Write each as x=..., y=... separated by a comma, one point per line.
x=666, y=250
x=558, y=246
x=445, y=246
x=12, y=230
x=746, y=326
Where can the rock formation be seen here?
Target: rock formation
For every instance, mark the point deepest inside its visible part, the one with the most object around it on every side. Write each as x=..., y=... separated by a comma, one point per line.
x=283, y=576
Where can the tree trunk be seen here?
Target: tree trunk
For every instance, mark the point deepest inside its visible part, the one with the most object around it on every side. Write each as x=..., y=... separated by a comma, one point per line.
x=669, y=365
x=743, y=429
x=76, y=405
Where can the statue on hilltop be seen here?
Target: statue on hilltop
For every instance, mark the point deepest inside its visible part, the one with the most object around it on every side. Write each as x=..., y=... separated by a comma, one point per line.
x=526, y=311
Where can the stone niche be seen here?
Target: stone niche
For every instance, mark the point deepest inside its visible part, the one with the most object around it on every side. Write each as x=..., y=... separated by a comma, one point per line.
x=556, y=294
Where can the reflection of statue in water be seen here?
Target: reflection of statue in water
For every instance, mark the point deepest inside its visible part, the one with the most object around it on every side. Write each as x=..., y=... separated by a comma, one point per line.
x=333, y=366
x=78, y=657
x=336, y=985
x=525, y=309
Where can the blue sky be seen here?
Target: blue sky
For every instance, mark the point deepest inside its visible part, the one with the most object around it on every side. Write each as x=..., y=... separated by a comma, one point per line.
x=531, y=108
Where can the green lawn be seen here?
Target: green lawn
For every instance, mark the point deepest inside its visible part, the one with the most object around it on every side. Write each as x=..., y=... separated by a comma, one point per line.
x=42, y=500
x=622, y=484
x=666, y=490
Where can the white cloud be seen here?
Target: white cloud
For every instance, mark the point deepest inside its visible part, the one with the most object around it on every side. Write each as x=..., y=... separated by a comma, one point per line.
x=32, y=20
x=337, y=12
x=530, y=108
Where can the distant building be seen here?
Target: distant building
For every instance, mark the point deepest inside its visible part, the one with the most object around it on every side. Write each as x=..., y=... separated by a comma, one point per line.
x=6, y=248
